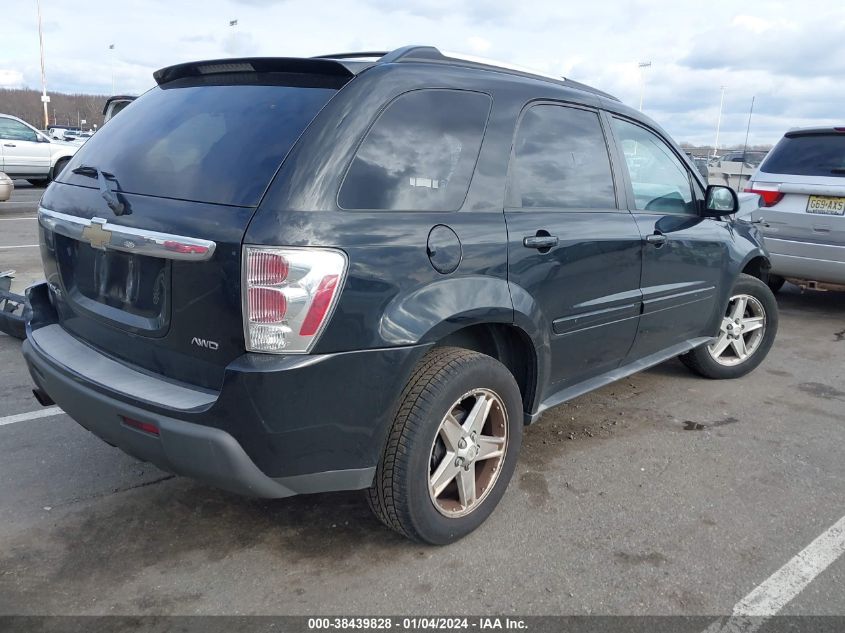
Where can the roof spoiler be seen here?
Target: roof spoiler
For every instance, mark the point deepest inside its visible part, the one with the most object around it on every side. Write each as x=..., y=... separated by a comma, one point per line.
x=253, y=65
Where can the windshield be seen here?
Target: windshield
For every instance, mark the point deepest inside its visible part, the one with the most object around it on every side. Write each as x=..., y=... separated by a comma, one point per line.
x=808, y=155
x=207, y=143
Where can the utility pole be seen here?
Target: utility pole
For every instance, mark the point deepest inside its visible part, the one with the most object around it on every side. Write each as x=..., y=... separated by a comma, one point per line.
x=642, y=66
x=719, y=122
x=111, y=62
x=44, y=98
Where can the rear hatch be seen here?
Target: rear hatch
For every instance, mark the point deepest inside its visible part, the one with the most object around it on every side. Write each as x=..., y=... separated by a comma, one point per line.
x=802, y=185
x=153, y=277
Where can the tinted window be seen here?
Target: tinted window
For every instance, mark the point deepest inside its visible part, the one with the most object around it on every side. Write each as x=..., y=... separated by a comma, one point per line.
x=808, y=155
x=420, y=154
x=16, y=131
x=210, y=143
x=660, y=181
x=561, y=161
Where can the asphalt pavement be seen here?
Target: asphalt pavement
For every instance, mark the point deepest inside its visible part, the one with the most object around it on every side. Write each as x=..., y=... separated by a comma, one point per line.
x=661, y=494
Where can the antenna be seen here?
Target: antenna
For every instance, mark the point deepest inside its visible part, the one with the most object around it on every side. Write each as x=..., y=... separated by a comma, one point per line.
x=745, y=147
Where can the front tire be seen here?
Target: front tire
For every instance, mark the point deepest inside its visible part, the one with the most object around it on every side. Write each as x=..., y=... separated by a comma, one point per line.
x=746, y=334
x=60, y=165
x=452, y=449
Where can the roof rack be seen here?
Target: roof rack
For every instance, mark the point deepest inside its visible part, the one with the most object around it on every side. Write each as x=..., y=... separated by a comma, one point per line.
x=361, y=55
x=432, y=54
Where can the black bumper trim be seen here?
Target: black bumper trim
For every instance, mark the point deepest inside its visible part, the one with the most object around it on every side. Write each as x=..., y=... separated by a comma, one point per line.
x=205, y=453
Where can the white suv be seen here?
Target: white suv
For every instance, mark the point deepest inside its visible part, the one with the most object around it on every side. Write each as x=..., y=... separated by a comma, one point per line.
x=27, y=153
x=802, y=209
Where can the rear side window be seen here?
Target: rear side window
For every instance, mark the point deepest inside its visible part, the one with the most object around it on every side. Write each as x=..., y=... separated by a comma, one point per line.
x=419, y=155
x=560, y=161
x=808, y=155
x=206, y=143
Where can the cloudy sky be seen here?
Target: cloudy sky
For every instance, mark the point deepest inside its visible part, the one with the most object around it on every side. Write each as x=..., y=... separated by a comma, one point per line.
x=790, y=56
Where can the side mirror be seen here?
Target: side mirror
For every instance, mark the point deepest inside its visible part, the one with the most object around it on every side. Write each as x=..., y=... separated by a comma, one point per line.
x=720, y=200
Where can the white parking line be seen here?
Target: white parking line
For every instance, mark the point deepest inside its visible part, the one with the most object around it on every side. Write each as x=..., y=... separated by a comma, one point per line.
x=32, y=415
x=21, y=246
x=10, y=219
x=786, y=583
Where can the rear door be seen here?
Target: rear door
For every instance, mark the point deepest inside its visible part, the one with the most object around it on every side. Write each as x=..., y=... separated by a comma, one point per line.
x=684, y=254
x=157, y=281
x=570, y=245
x=23, y=154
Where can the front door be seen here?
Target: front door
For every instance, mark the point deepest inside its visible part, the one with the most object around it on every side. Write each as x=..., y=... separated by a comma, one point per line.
x=571, y=248
x=23, y=154
x=684, y=254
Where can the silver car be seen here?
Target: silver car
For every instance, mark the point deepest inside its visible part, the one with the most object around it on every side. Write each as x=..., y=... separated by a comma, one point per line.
x=27, y=153
x=802, y=214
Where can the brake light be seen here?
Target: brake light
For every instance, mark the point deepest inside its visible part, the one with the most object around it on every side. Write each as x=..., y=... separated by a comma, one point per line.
x=289, y=295
x=768, y=192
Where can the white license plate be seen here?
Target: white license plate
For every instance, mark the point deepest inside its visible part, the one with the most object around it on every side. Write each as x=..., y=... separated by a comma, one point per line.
x=826, y=205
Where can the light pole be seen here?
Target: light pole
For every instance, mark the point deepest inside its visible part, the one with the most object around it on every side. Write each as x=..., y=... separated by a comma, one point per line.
x=111, y=63
x=44, y=98
x=719, y=122
x=642, y=66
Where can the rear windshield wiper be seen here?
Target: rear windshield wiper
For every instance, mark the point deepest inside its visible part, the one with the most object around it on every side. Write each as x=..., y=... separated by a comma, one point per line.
x=103, y=178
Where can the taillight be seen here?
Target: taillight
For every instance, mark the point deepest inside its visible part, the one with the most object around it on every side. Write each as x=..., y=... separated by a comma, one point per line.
x=768, y=192
x=289, y=295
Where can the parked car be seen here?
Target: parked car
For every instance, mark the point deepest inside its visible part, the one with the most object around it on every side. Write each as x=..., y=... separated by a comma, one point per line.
x=60, y=131
x=750, y=158
x=343, y=273
x=802, y=187
x=701, y=165
x=114, y=105
x=28, y=153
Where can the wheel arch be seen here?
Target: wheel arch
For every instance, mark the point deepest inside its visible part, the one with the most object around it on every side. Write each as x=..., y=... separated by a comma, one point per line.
x=508, y=344
x=58, y=161
x=480, y=313
x=757, y=264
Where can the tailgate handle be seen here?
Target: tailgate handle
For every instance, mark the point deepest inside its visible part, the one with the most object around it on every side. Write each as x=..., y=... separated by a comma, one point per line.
x=104, y=235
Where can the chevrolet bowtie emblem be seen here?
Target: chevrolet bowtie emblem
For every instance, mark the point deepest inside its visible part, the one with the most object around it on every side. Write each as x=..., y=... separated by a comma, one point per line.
x=96, y=235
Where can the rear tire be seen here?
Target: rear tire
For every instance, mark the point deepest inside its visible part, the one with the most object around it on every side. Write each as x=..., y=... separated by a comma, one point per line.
x=459, y=416
x=746, y=335
x=40, y=182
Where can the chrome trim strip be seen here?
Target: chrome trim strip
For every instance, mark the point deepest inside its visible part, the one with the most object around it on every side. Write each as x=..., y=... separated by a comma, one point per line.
x=102, y=234
x=819, y=190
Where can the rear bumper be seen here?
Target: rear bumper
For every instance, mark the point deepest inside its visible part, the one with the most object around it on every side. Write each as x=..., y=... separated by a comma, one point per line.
x=280, y=426
x=807, y=260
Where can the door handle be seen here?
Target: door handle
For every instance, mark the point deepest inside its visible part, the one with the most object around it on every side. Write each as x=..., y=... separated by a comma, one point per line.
x=539, y=241
x=9, y=145
x=658, y=239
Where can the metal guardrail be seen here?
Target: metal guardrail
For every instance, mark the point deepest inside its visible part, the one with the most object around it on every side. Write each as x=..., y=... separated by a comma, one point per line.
x=12, y=305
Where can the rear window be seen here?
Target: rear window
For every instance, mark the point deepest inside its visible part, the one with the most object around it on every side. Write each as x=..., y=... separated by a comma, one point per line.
x=206, y=143
x=808, y=155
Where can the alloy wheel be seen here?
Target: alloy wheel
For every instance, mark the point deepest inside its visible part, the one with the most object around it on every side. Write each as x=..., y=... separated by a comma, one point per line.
x=741, y=332
x=467, y=453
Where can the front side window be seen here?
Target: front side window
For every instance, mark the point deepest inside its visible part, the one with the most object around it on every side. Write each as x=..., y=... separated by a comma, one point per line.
x=560, y=161
x=660, y=181
x=11, y=130
x=420, y=154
